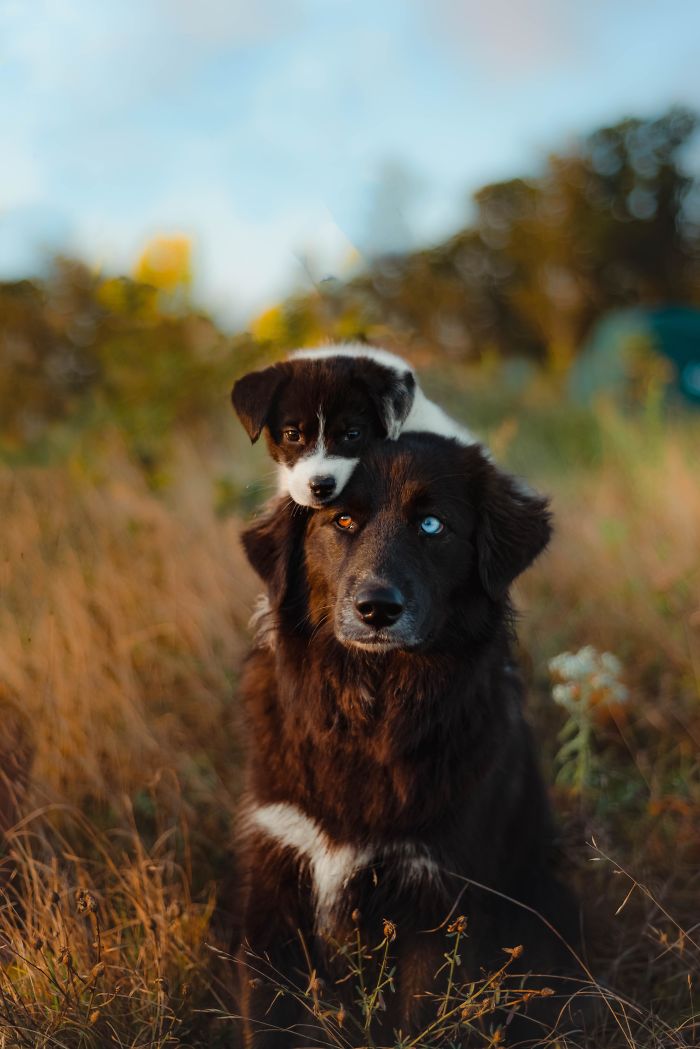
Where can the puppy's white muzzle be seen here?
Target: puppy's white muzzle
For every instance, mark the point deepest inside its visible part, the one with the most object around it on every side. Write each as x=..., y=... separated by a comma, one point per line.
x=308, y=482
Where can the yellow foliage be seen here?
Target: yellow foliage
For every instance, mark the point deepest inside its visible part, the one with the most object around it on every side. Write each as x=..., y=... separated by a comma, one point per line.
x=166, y=262
x=270, y=326
x=118, y=295
x=349, y=323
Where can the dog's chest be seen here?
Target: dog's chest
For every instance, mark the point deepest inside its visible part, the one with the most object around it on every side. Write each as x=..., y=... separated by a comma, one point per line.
x=367, y=778
x=333, y=865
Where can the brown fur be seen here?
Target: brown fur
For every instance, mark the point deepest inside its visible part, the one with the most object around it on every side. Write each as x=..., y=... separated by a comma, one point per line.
x=422, y=745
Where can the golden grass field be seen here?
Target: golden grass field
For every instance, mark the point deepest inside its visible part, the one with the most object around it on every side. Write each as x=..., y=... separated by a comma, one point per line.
x=123, y=612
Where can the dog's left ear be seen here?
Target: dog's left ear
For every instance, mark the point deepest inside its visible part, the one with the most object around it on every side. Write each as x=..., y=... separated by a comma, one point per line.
x=392, y=394
x=252, y=397
x=514, y=526
x=274, y=546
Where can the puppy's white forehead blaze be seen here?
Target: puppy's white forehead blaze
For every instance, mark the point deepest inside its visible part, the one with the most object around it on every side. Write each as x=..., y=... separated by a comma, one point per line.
x=316, y=463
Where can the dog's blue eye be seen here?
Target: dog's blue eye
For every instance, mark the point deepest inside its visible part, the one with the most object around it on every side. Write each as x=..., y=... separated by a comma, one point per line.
x=353, y=434
x=431, y=526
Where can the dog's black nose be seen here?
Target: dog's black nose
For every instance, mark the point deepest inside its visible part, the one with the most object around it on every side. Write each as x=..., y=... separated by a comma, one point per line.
x=379, y=605
x=322, y=487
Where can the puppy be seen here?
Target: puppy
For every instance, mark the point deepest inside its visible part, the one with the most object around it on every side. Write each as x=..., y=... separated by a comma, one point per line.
x=390, y=769
x=321, y=409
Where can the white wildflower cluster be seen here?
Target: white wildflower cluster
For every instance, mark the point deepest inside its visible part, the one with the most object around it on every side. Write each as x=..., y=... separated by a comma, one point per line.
x=586, y=678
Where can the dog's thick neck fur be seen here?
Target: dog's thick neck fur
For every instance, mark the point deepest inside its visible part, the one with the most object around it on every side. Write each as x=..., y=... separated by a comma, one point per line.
x=385, y=735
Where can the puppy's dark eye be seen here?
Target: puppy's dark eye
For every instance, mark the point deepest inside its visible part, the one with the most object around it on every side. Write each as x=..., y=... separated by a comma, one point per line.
x=431, y=525
x=345, y=523
x=292, y=435
x=352, y=434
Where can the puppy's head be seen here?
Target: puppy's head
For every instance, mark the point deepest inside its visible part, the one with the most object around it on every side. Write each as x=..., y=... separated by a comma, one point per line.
x=419, y=551
x=319, y=417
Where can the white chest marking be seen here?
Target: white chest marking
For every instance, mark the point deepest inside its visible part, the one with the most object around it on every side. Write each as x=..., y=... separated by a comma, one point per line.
x=331, y=865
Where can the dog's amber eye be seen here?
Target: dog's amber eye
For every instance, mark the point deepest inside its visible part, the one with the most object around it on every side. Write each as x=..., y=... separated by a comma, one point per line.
x=292, y=435
x=345, y=522
x=431, y=525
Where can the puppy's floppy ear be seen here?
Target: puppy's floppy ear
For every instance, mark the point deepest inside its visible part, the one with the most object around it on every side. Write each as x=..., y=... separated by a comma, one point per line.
x=392, y=394
x=275, y=546
x=252, y=397
x=514, y=526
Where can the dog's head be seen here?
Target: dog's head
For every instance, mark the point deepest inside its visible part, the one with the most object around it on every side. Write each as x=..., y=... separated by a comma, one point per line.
x=319, y=417
x=419, y=550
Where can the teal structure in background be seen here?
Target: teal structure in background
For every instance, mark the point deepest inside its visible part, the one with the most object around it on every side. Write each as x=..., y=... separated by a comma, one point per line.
x=606, y=361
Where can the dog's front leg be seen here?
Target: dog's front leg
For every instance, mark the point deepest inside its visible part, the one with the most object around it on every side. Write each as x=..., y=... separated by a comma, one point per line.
x=272, y=963
x=270, y=1007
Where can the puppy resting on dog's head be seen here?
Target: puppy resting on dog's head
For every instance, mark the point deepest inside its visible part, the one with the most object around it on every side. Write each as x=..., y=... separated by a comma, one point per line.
x=322, y=408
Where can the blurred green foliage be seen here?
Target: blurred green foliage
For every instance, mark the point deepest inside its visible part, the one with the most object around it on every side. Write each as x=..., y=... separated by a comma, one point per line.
x=80, y=352
x=611, y=222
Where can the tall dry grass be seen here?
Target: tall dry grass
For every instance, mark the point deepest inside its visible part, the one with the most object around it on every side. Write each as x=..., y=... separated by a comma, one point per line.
x=102, y=949
x=623, y=571
x=122, y=626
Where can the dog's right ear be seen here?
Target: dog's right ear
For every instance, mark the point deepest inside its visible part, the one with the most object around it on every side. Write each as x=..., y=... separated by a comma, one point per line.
x=274, y=547
x=252, y=397
x=514, y=527
x=392, y=393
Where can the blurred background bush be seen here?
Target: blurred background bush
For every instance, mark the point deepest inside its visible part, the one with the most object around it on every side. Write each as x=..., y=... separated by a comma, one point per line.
x=588, y=274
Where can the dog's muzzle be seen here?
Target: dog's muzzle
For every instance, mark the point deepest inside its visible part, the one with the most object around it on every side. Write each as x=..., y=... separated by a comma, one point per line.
x=376, y=614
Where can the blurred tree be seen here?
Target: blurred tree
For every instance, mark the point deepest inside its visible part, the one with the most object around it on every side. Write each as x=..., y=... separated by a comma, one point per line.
x=606, y=225
x=634, y=183
x=609, y=223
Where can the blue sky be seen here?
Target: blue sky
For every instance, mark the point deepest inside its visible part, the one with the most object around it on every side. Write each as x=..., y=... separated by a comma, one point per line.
x=290, y=137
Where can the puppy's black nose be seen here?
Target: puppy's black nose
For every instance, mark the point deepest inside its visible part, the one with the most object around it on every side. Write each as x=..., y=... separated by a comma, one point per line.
x=379, y=605
x=322, y=487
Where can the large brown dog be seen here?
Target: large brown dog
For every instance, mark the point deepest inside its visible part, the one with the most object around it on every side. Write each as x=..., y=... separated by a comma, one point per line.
x=389, y=762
